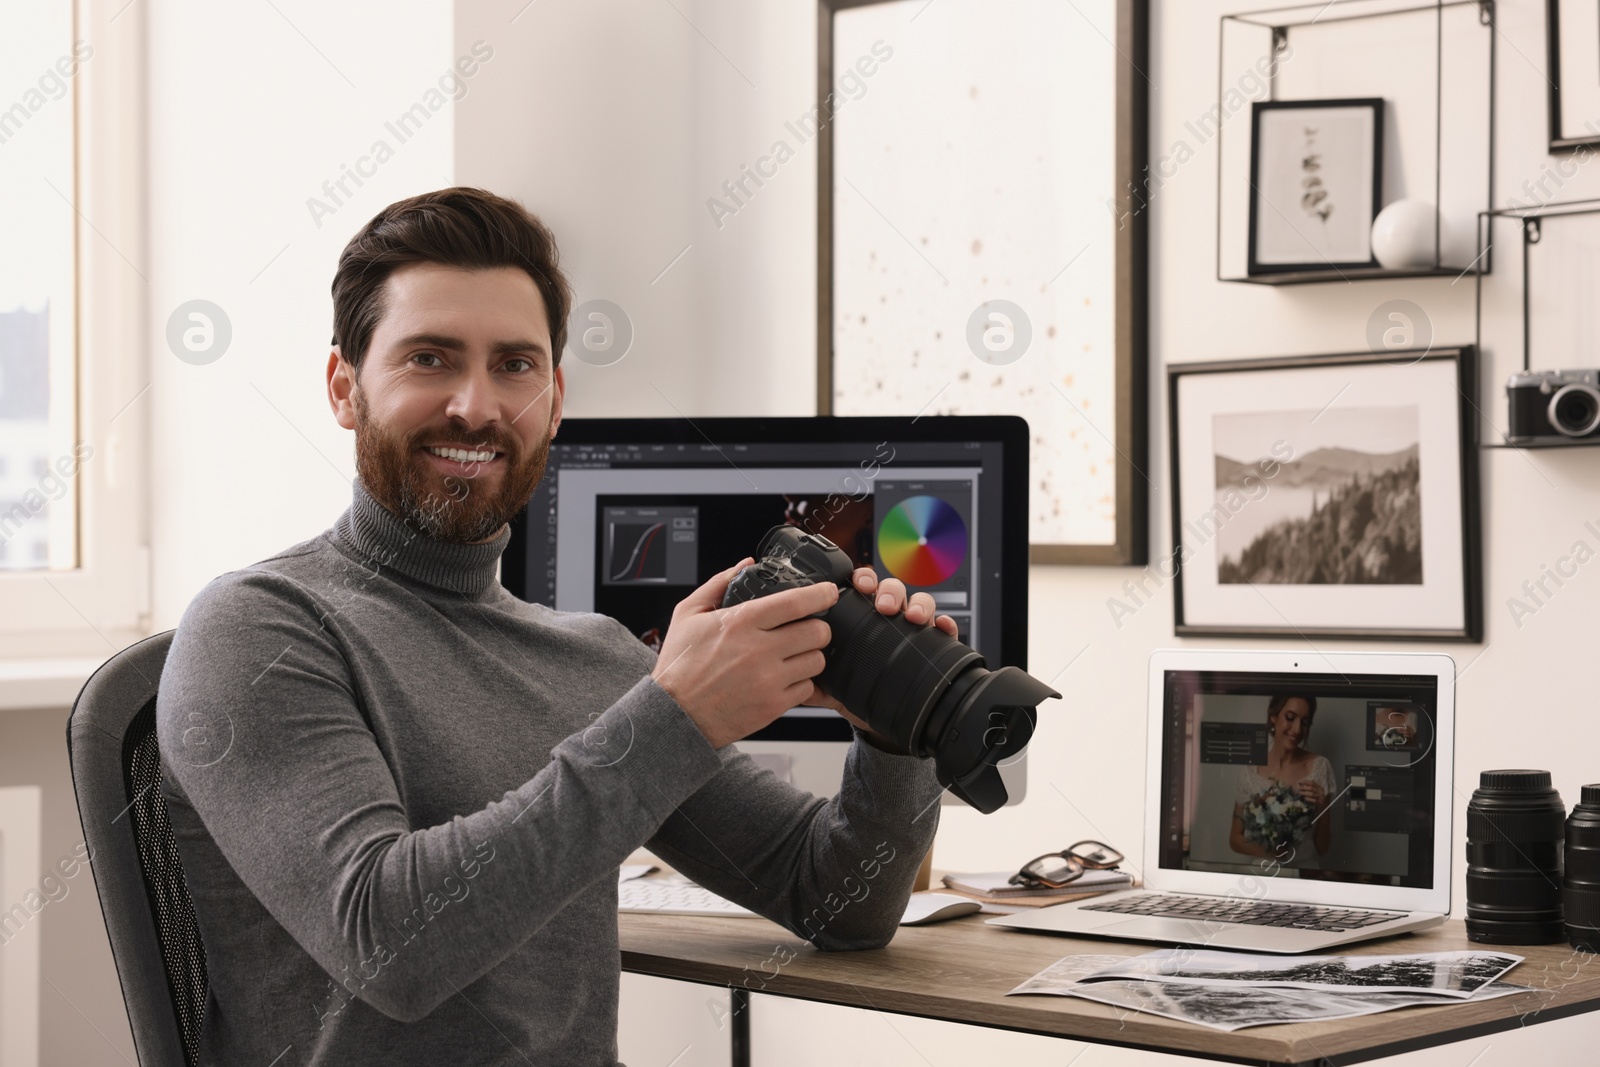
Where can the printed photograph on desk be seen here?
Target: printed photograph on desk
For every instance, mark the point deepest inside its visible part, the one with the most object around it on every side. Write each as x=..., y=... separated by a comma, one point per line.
x=1326, y=495
x=1230, y=1008
x=1447, y=974
x=1230, y=991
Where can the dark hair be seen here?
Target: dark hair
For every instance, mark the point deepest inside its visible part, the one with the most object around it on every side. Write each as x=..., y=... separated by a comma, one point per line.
x=461, y=227
x=1276, y=704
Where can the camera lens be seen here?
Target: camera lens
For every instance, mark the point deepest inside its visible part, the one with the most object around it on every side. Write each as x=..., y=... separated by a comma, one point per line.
x=1515, y=830
x=914, y=684
x=932, y=695
x=1575, y=410
x=1580, y=888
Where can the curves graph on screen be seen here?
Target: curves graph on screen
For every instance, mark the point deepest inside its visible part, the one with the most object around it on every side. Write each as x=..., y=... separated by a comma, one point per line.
x=642, y=564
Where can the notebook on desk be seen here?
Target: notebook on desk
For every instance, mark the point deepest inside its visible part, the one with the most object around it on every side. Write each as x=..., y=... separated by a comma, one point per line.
x=1233, y=860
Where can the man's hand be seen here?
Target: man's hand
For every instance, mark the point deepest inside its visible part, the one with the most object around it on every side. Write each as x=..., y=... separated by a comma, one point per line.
x=890, y=599
x=736, y=669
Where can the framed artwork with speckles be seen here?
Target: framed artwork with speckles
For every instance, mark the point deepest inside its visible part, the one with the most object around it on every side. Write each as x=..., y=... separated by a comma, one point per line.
x=982, y=239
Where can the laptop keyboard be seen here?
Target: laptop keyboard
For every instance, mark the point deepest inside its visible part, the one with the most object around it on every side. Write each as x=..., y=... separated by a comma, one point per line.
x=1247, y=912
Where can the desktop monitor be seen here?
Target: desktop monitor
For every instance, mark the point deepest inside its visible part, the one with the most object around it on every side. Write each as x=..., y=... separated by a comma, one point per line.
x=633, y=514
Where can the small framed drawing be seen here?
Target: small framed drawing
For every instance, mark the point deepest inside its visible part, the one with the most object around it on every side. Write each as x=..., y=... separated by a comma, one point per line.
x=1331, y=496
x=1316, y=170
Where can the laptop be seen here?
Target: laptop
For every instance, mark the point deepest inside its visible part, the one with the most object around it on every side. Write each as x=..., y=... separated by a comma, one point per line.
x=1234, y=857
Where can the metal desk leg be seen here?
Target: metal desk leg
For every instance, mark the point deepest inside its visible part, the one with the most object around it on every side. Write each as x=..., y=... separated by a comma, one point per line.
x=739, y=1033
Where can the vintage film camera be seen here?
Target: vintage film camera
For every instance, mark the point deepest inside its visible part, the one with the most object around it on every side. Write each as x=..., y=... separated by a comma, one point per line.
x=1553, y=406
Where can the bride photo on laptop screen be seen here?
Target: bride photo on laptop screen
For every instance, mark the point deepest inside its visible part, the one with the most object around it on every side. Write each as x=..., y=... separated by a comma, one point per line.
x=1305, y=776
x=1294, y=801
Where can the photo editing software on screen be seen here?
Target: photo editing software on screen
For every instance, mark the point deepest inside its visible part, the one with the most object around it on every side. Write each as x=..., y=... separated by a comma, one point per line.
x=629, y=530
x=1244, y=754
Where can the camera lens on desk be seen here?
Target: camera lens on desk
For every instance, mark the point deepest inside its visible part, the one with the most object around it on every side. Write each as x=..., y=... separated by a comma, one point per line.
x=1580, y=888
x=1515, y=830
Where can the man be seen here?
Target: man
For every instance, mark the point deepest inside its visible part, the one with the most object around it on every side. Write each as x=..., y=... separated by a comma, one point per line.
x=401, y=795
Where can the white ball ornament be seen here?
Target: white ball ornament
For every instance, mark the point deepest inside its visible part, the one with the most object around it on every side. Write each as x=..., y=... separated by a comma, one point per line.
x=1403, y=235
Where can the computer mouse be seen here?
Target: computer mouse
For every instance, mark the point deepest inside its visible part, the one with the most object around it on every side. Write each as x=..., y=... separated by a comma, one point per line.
x=925, y=908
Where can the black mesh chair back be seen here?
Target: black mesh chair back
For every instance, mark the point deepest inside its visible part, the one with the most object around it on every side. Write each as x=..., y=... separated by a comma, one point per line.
x=116, y=773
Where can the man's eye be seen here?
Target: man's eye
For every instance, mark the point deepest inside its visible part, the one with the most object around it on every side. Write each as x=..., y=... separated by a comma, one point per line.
x=527, y=363
x=426, y=355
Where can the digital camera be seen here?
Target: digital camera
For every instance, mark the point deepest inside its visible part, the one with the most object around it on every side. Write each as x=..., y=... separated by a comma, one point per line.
x=914, y=684
x=1553, y=406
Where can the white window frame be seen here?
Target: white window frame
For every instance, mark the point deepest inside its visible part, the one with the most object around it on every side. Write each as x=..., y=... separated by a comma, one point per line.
x=103, y=604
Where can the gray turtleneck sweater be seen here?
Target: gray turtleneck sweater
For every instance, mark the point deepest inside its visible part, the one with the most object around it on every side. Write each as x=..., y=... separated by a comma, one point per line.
x=401, y=796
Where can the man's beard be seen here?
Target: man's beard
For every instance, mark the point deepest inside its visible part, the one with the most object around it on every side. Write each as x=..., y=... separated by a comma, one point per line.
x=446, y=507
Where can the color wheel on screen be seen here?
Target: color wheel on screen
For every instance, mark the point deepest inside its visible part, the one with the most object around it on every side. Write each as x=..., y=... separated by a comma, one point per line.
x=923, y=540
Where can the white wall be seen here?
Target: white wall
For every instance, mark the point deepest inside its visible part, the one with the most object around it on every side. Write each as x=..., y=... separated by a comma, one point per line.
x=252, y=108
x=615, y=121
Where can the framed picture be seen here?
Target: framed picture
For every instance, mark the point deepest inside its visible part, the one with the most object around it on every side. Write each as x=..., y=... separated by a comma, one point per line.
x=981, y=239
x=1316, y=174
x=1572, y=38
x=1331, y=496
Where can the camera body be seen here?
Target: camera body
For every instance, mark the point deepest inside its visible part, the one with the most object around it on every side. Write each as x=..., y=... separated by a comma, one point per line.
x=806, y=559
x=914, y=684
x=1553, y=406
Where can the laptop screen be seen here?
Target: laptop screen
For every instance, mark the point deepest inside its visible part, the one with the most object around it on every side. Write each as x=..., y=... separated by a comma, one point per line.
x=1317, y=776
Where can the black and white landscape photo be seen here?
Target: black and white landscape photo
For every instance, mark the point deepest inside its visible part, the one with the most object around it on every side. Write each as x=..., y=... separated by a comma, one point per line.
x=1234, y=1007
x=1453, y=974
x=1233, y=990
x=1345, y=509
x=1332, y=495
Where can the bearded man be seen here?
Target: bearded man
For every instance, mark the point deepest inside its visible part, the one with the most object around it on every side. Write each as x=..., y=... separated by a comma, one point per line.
x=408, y=851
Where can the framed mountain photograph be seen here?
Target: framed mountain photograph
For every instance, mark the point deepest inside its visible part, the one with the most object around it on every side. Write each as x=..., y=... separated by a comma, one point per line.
x=1331, y=496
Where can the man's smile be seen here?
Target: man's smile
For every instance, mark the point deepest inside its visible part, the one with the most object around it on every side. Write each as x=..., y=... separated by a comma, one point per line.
x=464, y=463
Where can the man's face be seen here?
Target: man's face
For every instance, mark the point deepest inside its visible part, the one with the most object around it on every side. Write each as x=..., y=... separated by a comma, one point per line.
x=461, y=363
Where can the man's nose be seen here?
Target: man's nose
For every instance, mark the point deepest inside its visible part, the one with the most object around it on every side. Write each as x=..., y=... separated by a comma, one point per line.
x=473, y=400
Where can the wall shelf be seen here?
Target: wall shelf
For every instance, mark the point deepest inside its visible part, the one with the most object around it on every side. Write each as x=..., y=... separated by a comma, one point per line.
x=1431, y=62
x=1347, y=274
x=1545, y=319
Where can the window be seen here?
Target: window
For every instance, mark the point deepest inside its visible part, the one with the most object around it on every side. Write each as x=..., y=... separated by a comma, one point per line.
x=38, y=334
x=74, y=570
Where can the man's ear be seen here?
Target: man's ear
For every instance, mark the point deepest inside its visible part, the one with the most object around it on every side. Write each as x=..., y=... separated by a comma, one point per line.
x=341, y=386
x=559, y=389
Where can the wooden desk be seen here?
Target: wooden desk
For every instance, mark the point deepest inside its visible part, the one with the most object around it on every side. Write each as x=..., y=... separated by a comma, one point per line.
x=960, y=971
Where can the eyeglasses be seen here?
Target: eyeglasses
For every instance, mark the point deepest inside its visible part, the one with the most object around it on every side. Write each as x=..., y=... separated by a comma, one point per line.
x=1055, y=869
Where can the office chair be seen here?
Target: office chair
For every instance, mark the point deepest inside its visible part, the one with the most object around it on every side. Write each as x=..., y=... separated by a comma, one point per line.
x=116, y=774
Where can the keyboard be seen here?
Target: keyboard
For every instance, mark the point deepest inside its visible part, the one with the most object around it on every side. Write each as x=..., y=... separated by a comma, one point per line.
x=1246, y=912
x=675, y=896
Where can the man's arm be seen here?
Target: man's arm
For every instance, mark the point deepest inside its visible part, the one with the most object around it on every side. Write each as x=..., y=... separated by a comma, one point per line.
x=836, y=872
x=307, y=812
